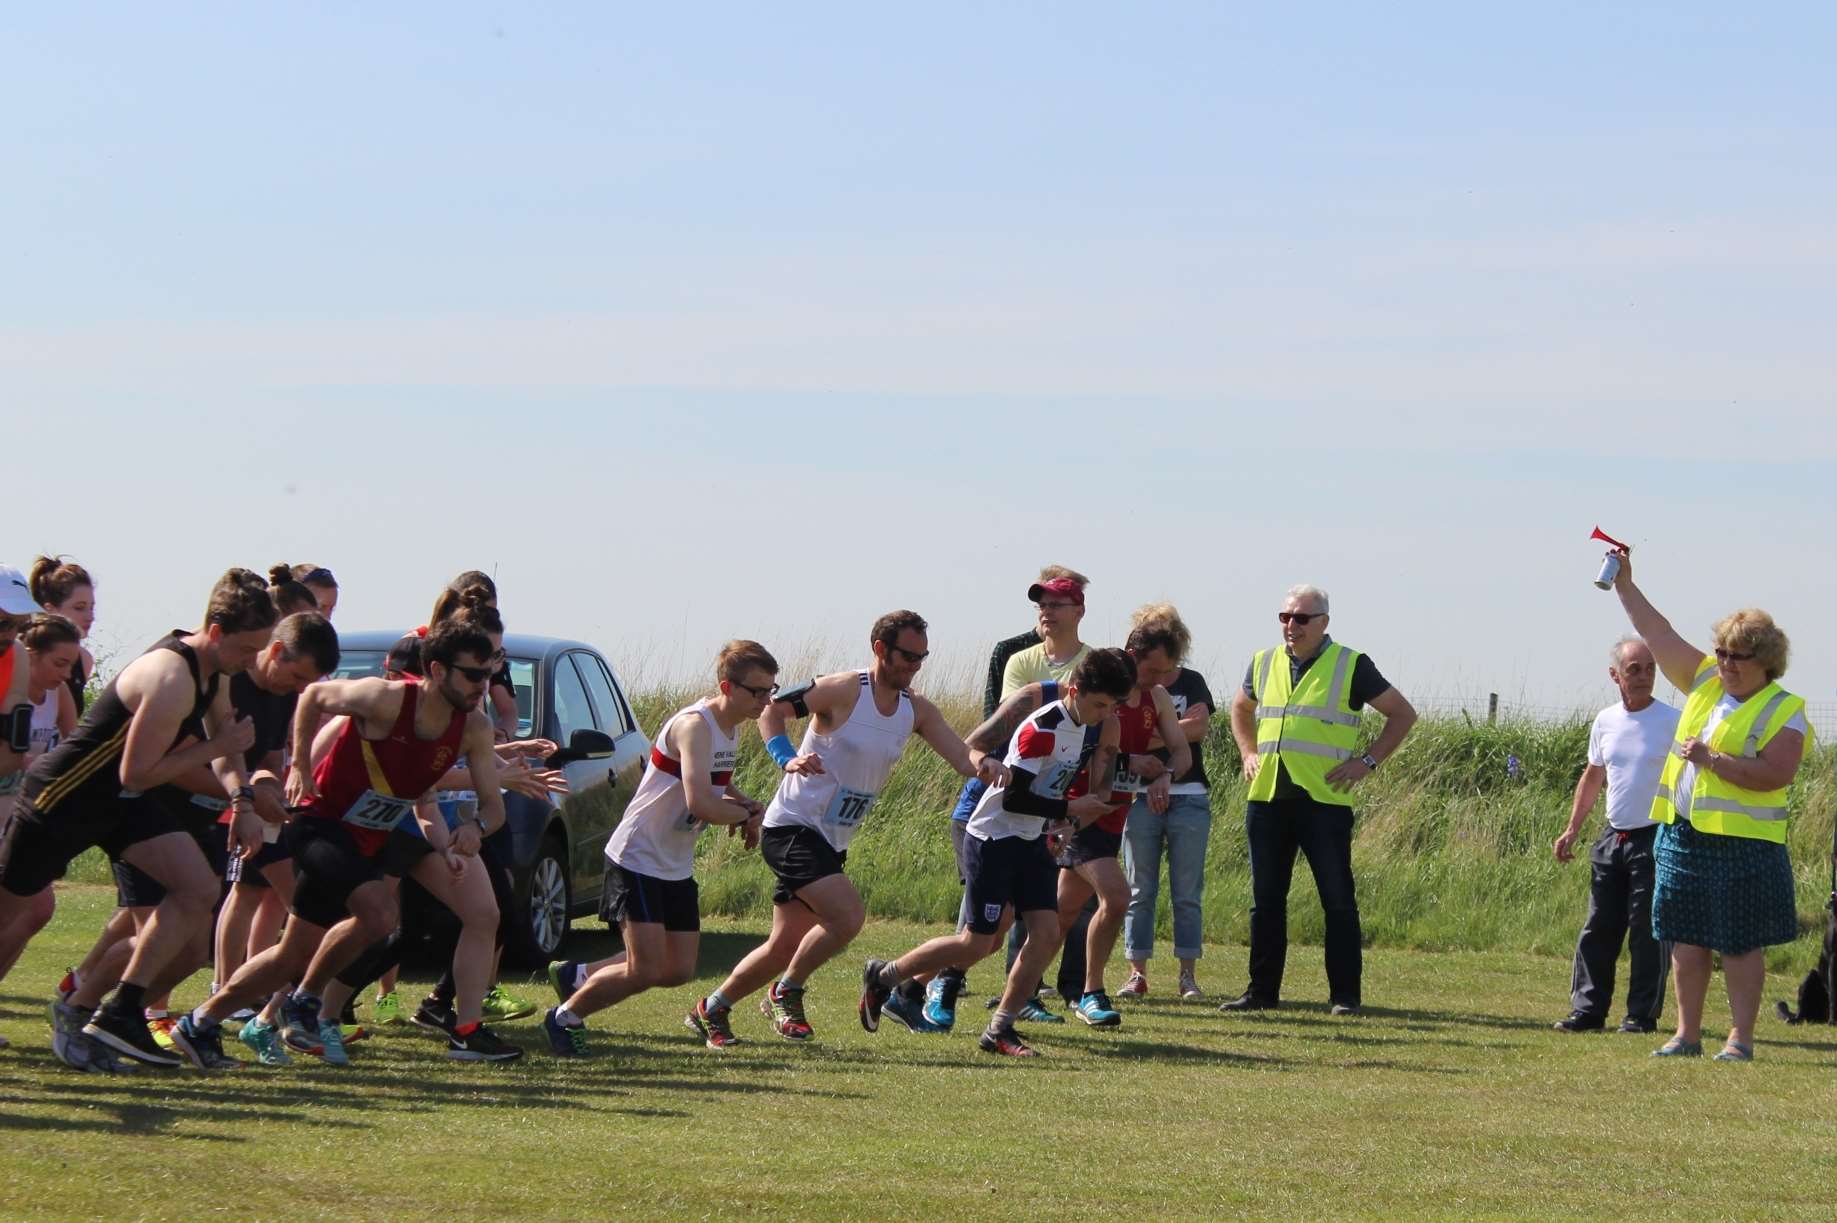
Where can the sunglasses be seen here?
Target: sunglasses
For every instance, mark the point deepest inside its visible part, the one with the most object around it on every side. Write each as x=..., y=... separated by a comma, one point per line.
x=759, y=694
x=908, y=655
x=1299, y=619
x=1732, y=656
x=477, y=675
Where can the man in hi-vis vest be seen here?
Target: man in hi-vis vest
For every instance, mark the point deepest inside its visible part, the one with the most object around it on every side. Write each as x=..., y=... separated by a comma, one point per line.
x=1296, y=721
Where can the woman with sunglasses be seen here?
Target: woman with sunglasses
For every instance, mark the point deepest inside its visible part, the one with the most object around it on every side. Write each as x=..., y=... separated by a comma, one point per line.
x=1724, y=880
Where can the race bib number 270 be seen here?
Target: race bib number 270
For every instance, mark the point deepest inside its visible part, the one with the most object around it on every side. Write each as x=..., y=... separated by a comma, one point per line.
x=379, y=812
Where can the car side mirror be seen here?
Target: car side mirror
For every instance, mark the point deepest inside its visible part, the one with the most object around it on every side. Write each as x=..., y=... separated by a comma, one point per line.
x=588, y=745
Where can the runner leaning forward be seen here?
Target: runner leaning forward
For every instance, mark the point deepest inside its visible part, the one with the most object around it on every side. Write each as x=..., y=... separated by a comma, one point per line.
x=165, y=714
x=1012, y=874
x=650, y=860
x=859, y=724
x=380, y=772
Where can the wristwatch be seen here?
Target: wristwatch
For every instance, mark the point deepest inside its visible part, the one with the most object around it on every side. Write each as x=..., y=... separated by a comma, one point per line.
x=1368, y=760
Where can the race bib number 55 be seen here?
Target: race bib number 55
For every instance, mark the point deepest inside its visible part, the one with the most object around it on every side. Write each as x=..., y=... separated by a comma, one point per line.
x=379, y=812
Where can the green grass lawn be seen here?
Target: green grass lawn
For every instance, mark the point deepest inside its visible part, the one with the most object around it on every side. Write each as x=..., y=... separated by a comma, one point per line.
x=1450, y=1096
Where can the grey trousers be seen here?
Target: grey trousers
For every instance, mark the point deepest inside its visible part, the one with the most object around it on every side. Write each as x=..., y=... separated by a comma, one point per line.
x=1620, y=908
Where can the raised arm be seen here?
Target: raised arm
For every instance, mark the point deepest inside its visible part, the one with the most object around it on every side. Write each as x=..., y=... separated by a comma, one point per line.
x=1677, y=658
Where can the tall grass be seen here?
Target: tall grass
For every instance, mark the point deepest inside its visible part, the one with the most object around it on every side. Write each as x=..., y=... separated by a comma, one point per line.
x=1451, y=846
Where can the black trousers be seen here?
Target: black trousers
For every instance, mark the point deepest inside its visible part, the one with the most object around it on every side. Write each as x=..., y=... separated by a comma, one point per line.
x=1322, y=832
x=1620, y=907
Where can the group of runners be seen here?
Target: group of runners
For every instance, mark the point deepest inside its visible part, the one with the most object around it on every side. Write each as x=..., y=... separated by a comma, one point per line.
x=260, y=816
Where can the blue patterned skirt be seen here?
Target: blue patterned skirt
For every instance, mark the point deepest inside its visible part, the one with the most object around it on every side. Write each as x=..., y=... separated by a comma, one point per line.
x=1730, y=894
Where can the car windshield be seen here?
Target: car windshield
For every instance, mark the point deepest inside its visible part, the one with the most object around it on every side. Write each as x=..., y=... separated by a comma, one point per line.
x=356, y=664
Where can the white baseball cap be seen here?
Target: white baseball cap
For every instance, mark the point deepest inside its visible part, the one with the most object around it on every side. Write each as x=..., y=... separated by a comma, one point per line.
x=16, y=593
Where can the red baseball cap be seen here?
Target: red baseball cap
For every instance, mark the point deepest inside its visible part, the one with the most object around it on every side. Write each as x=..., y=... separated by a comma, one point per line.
x=1058, y=586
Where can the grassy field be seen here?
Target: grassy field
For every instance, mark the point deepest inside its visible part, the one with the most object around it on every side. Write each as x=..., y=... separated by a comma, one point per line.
x=1449, y=1097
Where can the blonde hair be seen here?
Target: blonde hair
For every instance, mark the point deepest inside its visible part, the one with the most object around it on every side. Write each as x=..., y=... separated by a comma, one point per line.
x=1752, y=631
x=1158, y=626
x=1051, y=573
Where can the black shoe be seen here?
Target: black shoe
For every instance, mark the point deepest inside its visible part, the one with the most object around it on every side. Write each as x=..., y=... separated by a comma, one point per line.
x=1639, y=1026
x=435, y=1016
x=1576, y=1021
x=873, y=995
x=129, y=1036
x=1248, y=1001
x=480, y=1045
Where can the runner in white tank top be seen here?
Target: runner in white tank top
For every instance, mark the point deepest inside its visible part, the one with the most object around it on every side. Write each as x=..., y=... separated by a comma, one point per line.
x=859, y=724
x=857, y=757
x=657, y=835
x=650, y=867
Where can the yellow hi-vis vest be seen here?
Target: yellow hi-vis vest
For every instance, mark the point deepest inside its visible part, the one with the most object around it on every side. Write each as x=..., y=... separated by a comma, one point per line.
x=1307, y=728
x=1715, y=805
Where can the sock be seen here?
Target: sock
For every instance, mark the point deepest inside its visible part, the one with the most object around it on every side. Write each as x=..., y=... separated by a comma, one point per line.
x=580, y=975
x=889, y=976
x=788, y=983
x=568, y=1019
x=952, y=974
x=156, y=1013
x=717, y=1001
x=1001, y=1021
x=200, y=1020
x=465, y=1029
x=127, y=1000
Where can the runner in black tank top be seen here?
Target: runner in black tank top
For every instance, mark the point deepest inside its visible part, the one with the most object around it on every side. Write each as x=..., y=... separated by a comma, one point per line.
x=165, y=715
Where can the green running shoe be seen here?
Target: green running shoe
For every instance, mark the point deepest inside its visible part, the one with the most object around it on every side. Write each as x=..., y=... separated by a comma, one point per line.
x=501, y=1005
x=387, y=1009
x=265, y=1040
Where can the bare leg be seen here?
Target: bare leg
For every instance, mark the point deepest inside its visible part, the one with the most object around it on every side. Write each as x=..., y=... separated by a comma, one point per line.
x=373, y=917
x=1690, y=969
x=790, y=923
x=1036, y=953
x=174, y=860
x=21, y=917
x=839, y=915
x=469, y=896
x=1105, y=876
x=1745, y=975
x=267, y=971
x=654, y=957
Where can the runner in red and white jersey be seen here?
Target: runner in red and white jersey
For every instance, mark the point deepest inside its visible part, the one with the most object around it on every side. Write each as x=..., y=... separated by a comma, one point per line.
x=379, y=774
x=650, y=860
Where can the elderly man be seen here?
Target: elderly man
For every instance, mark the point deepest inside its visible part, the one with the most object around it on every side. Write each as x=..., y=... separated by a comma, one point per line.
x=1626, y=751
x=1297, y=723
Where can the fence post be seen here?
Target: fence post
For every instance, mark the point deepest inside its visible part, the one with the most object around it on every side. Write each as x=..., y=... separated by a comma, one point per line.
x=1492, y=708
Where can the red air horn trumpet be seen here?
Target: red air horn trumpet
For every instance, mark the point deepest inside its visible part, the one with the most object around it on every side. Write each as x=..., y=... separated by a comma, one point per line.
x=1610, y=568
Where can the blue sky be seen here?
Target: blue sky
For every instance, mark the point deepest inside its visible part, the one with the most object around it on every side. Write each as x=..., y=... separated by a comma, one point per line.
x=742, y=321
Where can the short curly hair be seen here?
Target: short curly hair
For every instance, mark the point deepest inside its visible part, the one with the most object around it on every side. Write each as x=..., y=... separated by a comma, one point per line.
x=1752, y=631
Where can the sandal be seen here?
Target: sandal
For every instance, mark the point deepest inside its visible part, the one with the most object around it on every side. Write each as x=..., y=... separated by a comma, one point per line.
x=1735, y=1051
x=1679, y=1047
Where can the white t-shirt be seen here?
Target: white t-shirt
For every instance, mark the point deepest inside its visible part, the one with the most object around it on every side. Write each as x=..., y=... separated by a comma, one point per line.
x=1687, y=780
x=1632, y=748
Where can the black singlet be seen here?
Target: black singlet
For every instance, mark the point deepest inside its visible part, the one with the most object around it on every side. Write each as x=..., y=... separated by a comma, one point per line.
x=86, y=767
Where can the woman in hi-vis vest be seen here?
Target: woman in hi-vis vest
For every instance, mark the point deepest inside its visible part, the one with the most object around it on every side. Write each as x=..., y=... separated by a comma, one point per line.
x=1724, y=882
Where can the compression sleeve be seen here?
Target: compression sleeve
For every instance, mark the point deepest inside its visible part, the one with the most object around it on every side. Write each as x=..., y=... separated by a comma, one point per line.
x=780, y=749
x=1019, y=798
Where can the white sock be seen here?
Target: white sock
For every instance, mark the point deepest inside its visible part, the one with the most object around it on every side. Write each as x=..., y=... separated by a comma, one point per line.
x=568, y=1019
x=580, y=975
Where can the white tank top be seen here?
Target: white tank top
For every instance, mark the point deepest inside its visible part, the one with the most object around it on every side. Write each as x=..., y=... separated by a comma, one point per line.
x=44, y=735
x=657, y=835
x=857, y=759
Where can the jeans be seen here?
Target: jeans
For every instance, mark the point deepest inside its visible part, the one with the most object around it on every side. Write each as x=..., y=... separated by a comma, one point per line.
x=1323, y=832
x=1185, y=828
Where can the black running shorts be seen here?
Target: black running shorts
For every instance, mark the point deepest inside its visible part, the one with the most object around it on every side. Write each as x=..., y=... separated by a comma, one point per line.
x=247, y=872
x=135, y=889
x=327, y=868
x=630, y=897
x=799, y=856
x=1008, y=871
x=1089, y=844
x=38, y=849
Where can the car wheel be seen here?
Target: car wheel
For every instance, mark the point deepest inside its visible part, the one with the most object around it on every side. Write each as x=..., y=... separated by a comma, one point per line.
x=546, y=912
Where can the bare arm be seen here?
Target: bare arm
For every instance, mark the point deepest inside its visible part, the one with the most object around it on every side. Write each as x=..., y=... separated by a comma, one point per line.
x=163, y=687
x=369, y=700
x=1244, y=730
x=1587, y=790
x=1773, y=769
x=66, y=712
x=1677, y=658
x=996, y=730
x=968, y=761
x=1179, y=747
x=694, y=745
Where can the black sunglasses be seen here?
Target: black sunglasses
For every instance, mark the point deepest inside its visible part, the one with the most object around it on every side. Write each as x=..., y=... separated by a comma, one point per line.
x=1732, y=656
x=908, y=655
x=477, y=675
x=1301, y=619
x=759, y=694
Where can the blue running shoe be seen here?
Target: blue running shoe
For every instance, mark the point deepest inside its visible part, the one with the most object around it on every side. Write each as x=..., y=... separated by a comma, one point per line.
x=910, y=1013
x=300, y=1025
x=1095, y=1009
x=331, y=1043
x=563, y=1042
x=941, y=1002
x=265, y=1040
x=1034, y=1011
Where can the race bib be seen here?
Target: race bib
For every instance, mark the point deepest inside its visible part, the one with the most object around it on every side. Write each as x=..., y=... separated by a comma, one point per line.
x=379, y=812
x=1056, y=780
x=848, y=808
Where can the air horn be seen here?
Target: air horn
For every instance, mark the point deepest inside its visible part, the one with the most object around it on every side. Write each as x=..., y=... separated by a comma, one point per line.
x=1610, y=568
